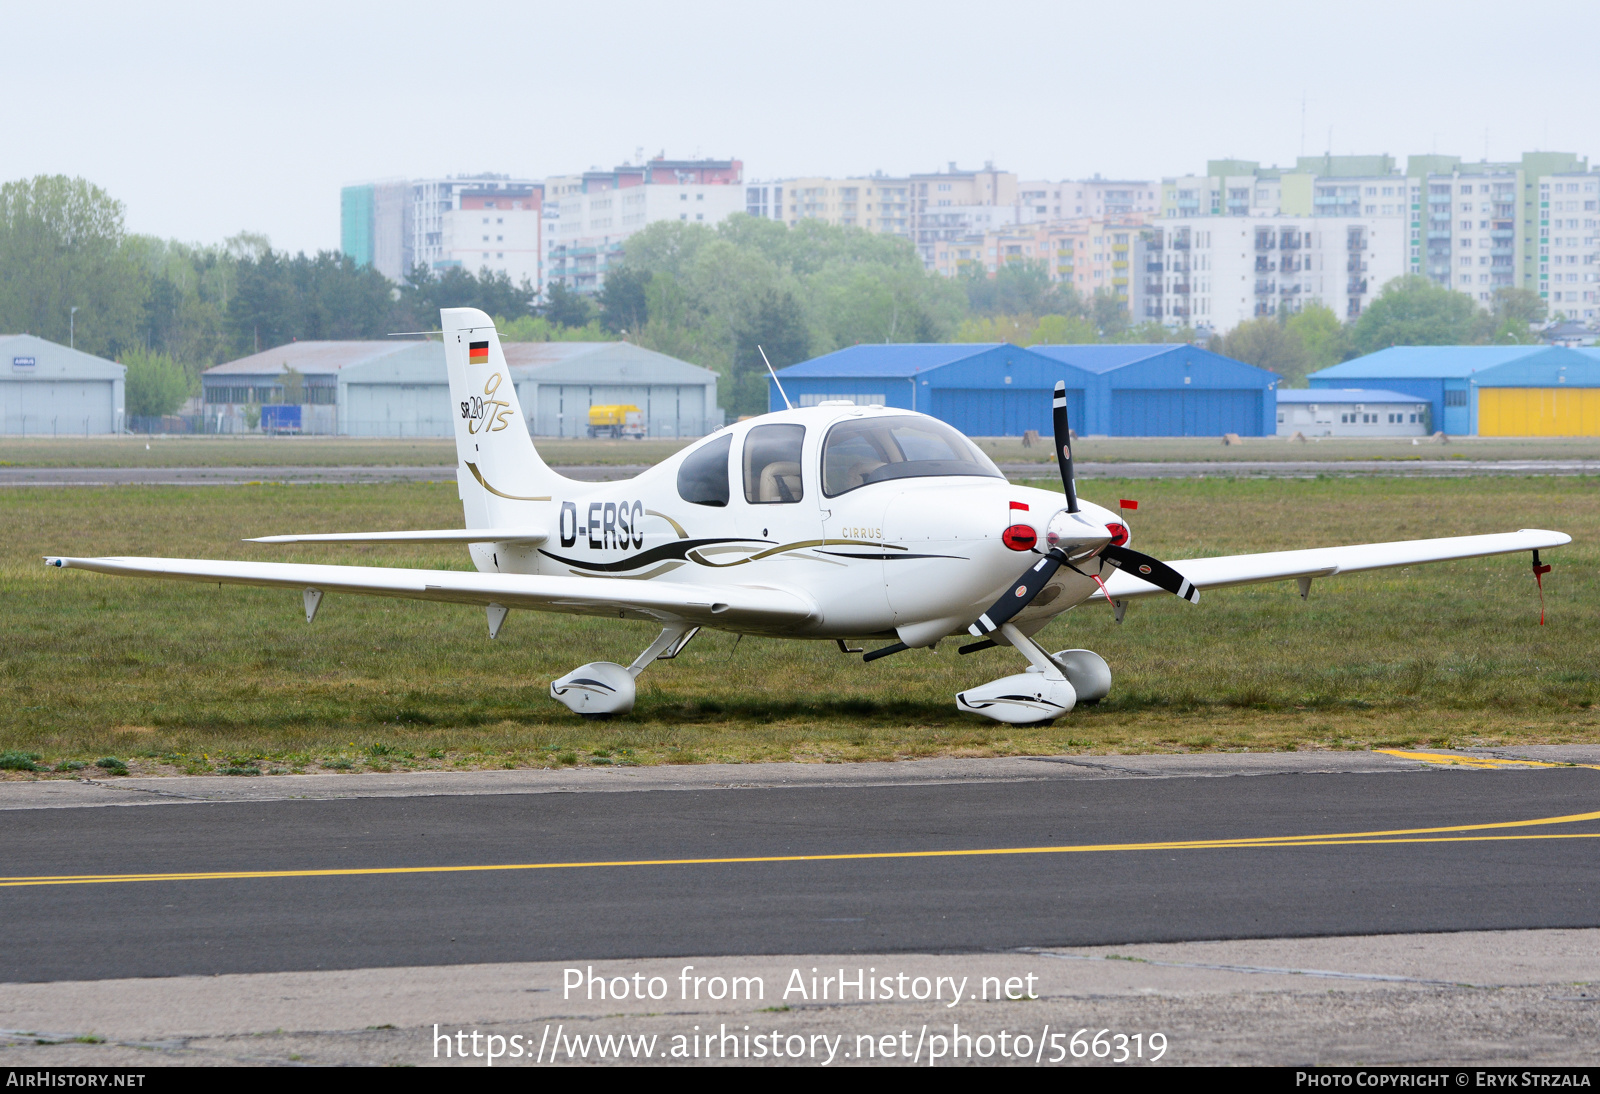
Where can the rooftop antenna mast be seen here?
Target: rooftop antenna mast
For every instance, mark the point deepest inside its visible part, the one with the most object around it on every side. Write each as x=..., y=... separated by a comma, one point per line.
x=787, y=405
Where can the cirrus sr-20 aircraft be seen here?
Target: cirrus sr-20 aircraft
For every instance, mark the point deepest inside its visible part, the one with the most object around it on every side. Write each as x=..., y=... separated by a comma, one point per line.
x=835, y=522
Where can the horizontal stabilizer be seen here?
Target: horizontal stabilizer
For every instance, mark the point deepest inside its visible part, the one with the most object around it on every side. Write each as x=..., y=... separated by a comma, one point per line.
x=1217, y=573
x=532, y=536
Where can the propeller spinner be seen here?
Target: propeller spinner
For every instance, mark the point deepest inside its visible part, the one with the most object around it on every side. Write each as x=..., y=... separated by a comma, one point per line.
x=1071, y=538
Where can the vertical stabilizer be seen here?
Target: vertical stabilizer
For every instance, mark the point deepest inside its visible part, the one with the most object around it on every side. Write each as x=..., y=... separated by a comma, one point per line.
x=503, y=481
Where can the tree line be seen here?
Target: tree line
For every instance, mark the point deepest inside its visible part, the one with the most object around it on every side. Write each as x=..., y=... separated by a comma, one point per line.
x=716, y=296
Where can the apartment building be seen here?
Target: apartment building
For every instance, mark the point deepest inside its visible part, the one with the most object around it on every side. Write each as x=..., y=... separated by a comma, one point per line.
x=474, y=222
x=1314, y=186
x=1094, y=197
x=1089, y=253
x=1478, y=227
x=485, y=222
x=951, y=190
x=1569, y=244
x=876, y=202
x=597, y=211
x=1222, y=271
x=375, y=229
x=956, y=233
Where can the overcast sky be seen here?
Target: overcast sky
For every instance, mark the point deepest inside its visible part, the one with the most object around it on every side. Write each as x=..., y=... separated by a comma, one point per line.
x=210, y=119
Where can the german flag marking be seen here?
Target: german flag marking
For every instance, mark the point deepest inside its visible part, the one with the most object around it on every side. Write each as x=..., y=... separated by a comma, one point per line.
x=477, y=353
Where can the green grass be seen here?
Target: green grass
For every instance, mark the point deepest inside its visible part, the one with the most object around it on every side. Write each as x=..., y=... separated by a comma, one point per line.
x=175, y=678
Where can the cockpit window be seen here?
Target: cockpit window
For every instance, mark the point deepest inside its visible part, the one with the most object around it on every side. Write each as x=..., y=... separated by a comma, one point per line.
x=772, y=464
x=703, y=475
x=868, y=450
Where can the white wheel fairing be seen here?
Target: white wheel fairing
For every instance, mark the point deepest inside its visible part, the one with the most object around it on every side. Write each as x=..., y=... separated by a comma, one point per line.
x=1022, y=699
x=600, y=687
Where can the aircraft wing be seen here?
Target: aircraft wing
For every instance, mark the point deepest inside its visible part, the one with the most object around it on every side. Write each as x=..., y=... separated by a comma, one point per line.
x=755, y=606
x=1217, y=573
x=530, y=537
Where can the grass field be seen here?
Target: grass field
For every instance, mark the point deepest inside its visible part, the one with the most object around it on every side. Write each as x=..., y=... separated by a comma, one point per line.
x=233, y=451
x=173, y=677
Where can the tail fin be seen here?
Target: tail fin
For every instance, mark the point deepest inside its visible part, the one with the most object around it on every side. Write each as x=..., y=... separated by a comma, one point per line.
x=502, y=480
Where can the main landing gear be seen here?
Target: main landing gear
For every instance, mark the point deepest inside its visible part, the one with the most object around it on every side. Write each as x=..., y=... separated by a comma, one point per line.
x=603, y=688
x=1053, y=684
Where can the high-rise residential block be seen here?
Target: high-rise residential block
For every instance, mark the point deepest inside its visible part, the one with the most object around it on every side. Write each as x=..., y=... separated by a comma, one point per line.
x=481, y=223
x=1220, y=271
x=598, y=210
x=1092, y=254
x=375, y=226
x=1569, y=244
x=484, y=222
x=877, y=203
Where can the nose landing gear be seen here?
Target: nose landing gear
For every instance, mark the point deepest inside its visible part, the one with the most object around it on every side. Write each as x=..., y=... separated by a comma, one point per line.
x=1052, y=685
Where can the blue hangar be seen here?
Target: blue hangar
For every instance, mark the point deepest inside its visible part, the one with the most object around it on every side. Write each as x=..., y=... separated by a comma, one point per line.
x=1001, y=390
x=1515, y=391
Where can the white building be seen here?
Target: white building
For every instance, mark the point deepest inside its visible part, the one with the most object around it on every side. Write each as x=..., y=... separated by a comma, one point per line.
x=1569, y=244
x=1468, y=234
x=49, y=390
x=595, y=212
x=488, y=222
x=1350, y=412
x=1218, y=272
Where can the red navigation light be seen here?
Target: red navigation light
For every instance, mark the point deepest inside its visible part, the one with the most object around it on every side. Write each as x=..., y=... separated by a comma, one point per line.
x=1019, y=537
x=1119, y=533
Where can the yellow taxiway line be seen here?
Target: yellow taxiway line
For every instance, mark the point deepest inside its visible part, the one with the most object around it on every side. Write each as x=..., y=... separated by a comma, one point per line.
x=1455, y=759
x=1461, y=833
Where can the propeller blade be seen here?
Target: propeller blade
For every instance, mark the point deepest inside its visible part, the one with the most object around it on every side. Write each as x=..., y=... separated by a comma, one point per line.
x=1153, y=570
x=1064, y=446
x=1023, y=590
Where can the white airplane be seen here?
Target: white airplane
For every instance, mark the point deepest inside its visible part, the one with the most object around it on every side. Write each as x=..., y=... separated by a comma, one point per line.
x=835, y=522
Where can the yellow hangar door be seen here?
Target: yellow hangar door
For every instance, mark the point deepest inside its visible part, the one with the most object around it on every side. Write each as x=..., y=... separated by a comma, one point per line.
x=1539, y=412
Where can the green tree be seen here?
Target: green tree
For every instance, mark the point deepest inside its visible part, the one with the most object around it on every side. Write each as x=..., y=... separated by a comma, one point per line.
x=1326, y=340
x=774, y=323
x=1153, y=332
x=708, y=288
x=1063, y=330
x=1268, y=343
x=624, y=305
x=1414, y=311
x=62, y=245
x=425, y=292
x=566, y=308
x=279, y=299
x=1514, y=312
x=155, y=384
x=536, y=328
x=293, y=382
x=1018, y=288
x=1025, y=330
x=186, y=305
x=1109, y=313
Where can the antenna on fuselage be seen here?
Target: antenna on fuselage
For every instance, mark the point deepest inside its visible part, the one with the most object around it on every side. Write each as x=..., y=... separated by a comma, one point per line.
x=787, y=405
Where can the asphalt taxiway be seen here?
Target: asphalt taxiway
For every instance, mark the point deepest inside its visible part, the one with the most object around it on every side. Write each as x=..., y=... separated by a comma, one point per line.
x=168, y=877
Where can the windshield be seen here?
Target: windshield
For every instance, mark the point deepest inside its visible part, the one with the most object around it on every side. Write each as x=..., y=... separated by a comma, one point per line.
x=868, y=450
